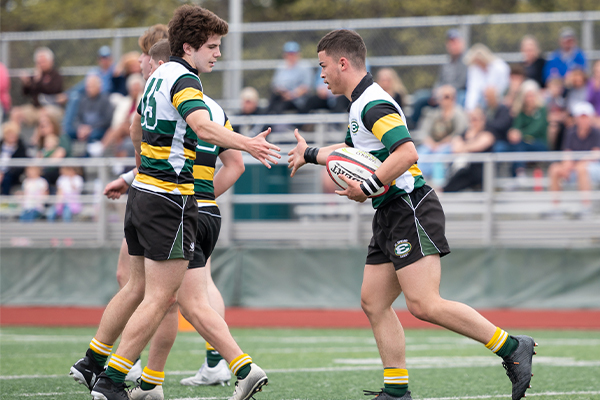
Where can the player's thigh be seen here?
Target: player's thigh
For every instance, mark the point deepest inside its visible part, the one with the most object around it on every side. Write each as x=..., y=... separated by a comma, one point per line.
x=123, y=264
x=380, y=286
x=163, y=278
x=420, y=281
x=193, y=291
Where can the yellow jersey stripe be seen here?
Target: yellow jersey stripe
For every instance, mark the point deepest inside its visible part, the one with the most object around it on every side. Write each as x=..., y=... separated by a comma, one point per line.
x=415, y=170
x=186, y=188
x=187, y=94
x=163, y=153
x=203, y=172
x=385, y=124
x=228, y=125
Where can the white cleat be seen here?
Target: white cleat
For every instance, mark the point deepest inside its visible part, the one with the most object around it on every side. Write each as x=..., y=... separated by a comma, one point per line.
x=135, y=372
x=206, y=376
x=154, y=394
x=251, y=384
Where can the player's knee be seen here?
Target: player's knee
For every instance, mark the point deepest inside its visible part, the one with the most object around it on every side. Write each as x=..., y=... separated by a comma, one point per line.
x=420, y=309
x=369, y=306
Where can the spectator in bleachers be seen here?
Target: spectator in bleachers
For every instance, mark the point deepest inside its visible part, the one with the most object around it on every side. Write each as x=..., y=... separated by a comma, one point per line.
x=68, y=191
x=35, y=190
x=5, y=99
x=11, y=146
x=389, y=81
x=497, y=115
x=577, y=91
x=453, y=73
x=50, y=148
x=292, y=81
x=44, y=87
x=249, y=105
x=49, y=124
x=441, y=126
x=515, y=80
x=464, y=174
x=105, y=69
x=116, y=140
x=529, y=129
x=128, y=65
x=532, y=61
x=593, y=93
x=581, y=137
x=485, y=69
x=567, y=58
x=95, y=112
x=557, y=112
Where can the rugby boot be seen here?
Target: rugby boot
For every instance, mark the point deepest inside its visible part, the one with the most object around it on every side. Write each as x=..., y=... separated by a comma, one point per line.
x=381, y=395
x=518, y=366
x=86, y=370
x=206, y=376
x=106, y=389
x=251, y=384
x=137, y=393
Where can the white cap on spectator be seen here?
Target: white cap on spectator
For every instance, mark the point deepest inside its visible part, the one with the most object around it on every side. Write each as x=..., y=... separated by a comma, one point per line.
x=583, y=108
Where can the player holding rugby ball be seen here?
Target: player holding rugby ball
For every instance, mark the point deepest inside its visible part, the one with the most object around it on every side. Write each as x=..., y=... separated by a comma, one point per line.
x=408, y=226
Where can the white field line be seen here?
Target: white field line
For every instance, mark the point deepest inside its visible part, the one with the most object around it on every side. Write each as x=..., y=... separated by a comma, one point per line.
x=370, y=364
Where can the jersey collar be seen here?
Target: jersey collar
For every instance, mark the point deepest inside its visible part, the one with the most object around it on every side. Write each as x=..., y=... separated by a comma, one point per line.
x=184, y=63
x=361, y=87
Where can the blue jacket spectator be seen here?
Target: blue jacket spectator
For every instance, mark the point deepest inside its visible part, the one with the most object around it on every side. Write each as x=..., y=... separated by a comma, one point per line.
x=95, y=112
x=567, y=58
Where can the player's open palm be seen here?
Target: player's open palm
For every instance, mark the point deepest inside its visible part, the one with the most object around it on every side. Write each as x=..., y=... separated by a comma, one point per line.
x=296, y=155
x=262, y=150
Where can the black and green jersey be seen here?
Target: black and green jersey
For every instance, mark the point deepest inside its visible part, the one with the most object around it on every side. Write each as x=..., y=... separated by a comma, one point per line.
x=172, y=93
x=378, y=125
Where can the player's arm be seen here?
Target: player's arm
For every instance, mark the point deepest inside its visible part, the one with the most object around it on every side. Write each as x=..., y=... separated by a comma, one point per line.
x=302, y=154
x=386, y=124
x=116, y=188
x=136, y=133
x=211, y=132
x=233, y=167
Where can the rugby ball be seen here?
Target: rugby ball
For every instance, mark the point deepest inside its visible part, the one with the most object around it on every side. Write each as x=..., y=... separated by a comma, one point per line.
x=355, y=164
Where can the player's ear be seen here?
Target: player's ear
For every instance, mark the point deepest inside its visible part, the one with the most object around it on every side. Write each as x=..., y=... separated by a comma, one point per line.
x=160, y=62
x=343, y=63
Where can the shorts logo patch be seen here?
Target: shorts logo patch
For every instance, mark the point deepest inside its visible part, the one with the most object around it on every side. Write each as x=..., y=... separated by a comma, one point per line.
x=402, y=248
x=353, y=126
x=192, y=246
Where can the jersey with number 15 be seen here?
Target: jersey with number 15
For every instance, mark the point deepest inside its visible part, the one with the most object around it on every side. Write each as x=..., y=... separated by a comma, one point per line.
x=172, y=93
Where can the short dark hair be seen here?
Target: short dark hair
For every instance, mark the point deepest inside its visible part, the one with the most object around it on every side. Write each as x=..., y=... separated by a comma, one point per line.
x=344, y=43
x=160, y=51
x=151, y=36
x=193, y=25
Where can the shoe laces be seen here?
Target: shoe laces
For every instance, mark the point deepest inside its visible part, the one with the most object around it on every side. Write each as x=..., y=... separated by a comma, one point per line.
x=510, y=371
x=372, y=393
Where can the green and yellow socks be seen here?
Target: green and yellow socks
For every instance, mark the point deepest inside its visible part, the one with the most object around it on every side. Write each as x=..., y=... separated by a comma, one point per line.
x=240, y=366
x=502, y=343
x=212, y=356
x=395, y=381
x=118, y=368
x=151, y=379
x=100, y=351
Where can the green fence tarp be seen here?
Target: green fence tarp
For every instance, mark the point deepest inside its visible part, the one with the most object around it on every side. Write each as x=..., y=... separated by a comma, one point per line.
x=314, y=278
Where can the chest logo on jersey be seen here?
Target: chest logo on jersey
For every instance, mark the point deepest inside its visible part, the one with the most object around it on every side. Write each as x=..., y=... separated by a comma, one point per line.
x=353, y=126
x=402, y=248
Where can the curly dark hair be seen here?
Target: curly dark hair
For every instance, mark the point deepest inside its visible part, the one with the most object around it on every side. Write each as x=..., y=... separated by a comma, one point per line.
x=344, y=43
x=193, y=25
x=151, y=36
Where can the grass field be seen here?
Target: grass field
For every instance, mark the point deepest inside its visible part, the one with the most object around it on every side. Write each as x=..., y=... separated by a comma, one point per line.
x=317, y=364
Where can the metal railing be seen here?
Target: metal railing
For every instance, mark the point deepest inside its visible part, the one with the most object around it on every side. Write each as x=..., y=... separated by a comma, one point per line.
x=245, y=38
x=493, y=216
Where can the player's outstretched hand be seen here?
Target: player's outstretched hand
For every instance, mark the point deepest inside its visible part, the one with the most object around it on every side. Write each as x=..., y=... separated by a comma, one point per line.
x=296, y=155
x=116, y=188
x=262, y=150
x=353, y=191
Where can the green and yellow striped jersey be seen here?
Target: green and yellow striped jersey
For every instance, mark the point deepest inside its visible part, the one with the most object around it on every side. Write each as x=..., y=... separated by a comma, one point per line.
x=378, y=125
x=172, y=93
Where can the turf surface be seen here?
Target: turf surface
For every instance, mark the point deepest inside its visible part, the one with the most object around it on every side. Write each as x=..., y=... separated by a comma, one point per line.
x=317, y=364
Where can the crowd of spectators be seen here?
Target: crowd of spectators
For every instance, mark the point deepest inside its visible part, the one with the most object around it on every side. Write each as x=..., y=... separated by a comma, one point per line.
x=478, y=103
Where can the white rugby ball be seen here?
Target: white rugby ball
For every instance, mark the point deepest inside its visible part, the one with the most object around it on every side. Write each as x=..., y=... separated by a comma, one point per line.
x=355, y=164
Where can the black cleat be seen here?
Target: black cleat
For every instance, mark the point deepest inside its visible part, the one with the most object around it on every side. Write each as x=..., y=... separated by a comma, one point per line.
x=381, y=395
x=86, y=370
x=106, y=389
x=518, y=366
